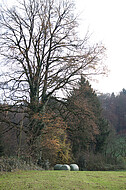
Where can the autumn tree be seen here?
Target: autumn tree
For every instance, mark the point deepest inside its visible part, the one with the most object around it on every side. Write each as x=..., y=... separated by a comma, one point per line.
x=53, y=142
x=41, y=54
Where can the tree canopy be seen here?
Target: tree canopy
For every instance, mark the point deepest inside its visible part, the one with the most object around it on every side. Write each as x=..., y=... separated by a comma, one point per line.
x=42, y=50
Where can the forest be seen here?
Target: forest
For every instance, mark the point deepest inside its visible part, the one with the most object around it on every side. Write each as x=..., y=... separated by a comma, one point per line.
x=49, y=113
x=84, y=128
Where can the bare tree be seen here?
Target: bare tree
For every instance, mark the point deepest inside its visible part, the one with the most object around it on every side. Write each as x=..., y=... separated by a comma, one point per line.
x=42, y=54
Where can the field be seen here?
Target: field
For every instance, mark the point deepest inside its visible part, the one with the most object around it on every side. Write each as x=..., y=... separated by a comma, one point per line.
x=59, y=180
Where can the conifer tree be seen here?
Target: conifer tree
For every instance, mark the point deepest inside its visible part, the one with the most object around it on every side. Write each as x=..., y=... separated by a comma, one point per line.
x=88, y=129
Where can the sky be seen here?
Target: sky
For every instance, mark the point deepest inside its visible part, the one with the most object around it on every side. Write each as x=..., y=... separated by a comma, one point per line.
x=105, y=20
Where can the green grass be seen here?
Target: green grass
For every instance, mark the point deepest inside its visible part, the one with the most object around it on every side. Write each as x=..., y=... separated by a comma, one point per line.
x=59, y=180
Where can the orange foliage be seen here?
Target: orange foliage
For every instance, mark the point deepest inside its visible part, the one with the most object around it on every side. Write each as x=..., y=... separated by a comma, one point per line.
x=54, y=142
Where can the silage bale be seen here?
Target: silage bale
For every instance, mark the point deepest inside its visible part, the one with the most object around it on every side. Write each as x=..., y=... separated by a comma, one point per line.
x=74, y=167
x=65, y=167
x=58, y=167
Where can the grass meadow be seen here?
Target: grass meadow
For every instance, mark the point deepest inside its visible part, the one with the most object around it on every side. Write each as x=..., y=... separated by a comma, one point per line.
x=59, y=180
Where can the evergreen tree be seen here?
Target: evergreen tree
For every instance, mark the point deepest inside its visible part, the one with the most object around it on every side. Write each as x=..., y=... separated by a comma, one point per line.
x=87, y=128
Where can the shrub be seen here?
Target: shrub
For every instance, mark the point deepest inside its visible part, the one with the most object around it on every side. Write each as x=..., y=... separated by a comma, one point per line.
x=95, y=162
x=81, y=161
x=100, y=162
x=9, y=164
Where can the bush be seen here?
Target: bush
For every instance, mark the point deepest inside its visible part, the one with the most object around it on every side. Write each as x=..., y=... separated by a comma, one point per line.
x=81, y=161
x=9, y=164
x=98, y=162
x=121, y=162
x=95, y=162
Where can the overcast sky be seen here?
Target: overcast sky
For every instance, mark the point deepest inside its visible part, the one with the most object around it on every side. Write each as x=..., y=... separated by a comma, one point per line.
x=106, y=21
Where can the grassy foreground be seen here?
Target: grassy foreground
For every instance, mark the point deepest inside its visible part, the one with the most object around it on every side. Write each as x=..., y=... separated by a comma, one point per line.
x=67, y=180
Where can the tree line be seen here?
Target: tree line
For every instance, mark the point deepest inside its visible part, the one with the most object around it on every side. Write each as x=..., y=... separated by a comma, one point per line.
x=76, y=129
x=73, y=127
x=114, y=110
